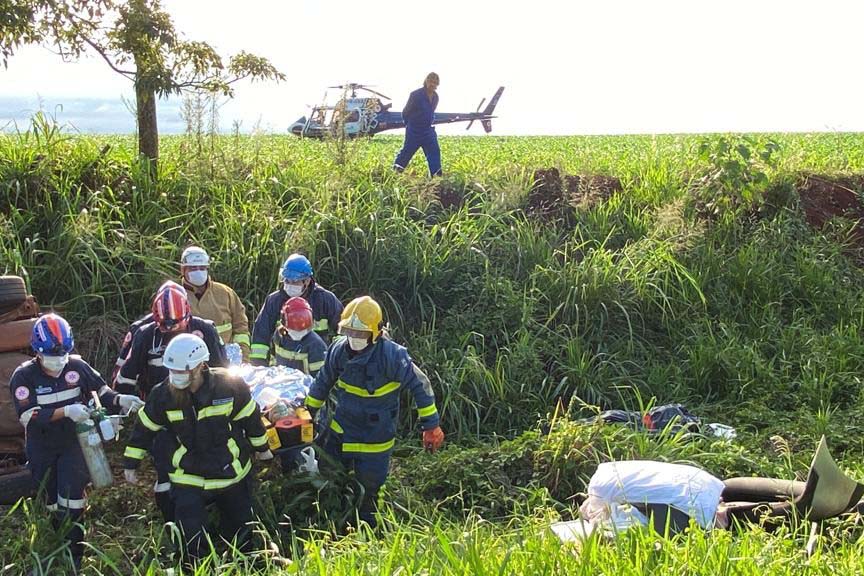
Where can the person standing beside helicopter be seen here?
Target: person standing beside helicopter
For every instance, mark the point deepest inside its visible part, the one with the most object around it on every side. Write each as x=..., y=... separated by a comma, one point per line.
x=419, y=132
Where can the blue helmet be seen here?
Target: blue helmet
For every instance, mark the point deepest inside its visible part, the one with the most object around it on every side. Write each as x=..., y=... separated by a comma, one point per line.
x=52, y=336
x=297, y=267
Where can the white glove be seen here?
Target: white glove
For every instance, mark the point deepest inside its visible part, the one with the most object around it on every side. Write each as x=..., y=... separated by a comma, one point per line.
x=129, y=402
x=76, y=412
x=310, y=463
x=268, y=455
x=131, y=476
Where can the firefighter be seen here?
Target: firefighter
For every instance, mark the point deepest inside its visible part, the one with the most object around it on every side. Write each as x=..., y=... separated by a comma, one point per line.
x=213, y=426
x=367, y=371
x=419, y=112
x=127, y=343
x=294, y=343
x=50, y=394
x=143, y=367
x=297, y=280
x=213, y=300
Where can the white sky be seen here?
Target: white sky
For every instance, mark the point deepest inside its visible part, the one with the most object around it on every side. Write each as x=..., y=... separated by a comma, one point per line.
x=569, y=67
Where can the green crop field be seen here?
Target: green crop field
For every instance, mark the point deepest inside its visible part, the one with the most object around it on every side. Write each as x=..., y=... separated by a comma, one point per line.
x=539, y=281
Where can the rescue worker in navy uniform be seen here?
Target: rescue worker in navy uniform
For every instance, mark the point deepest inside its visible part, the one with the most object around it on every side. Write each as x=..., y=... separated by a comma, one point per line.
x=127, y=344
x=295, y=345
x=418, y=114
x=50, y=394
x=143, y=367
x=297, y=280
x=367, y=372
x=214, y=426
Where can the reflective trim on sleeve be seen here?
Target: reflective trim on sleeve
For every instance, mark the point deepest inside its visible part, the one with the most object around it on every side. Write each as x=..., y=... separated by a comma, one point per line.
x=316, y=366
x=259, y=351
x=104, y=390
x=63, y=396
x=25, y=417
x=134, y=453
x=321, y=325
x=336, y=427
x=364, y=393
x=258, y=441
x=123, y=380
x=427, y=411
x=146, y=421
x=71, y=504
x=51, y=507
x=241, y=339
x=367, y=448
x=224, y=328
x=155, y=362
x=313, y=402
x=247, y=411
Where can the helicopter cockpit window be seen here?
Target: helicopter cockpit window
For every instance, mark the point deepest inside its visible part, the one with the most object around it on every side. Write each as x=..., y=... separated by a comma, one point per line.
x=353, y=116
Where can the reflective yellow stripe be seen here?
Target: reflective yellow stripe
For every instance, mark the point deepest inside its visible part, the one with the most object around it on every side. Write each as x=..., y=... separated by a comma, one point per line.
x=427, y=411
x=368, y=448
x=316, y=366
x=178, y=456
x=233, y=448
x=246, y=411
x=174, y=415
x=221, y=410
x=224, y=327
x=258, y=441
x=136, y=453
x=181, y=477
x=336, y=427
x=290, y=354
x=364, y=393
x=259, y=351
x=321, y=325
x=314, y=402
x=142, y=415
x=241, y=339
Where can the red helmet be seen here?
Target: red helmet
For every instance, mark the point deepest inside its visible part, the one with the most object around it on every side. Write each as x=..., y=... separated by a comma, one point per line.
x=171, y=310
x=297, y=314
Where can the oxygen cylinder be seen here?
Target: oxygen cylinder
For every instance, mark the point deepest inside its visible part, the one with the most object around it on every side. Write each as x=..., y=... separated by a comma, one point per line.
x=94, y=455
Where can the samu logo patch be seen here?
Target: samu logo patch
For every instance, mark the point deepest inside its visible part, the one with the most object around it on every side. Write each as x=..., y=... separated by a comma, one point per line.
x=72, y=377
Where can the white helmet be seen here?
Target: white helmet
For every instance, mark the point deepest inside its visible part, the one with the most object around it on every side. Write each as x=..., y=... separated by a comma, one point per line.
x=194, y=256
x=185, y=352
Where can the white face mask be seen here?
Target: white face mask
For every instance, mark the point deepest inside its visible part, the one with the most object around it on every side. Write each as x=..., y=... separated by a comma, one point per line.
x=197, y=277
x=292, y=290
x=357, y=344
x=295, y=335
x=55, y=363
x=179, y=380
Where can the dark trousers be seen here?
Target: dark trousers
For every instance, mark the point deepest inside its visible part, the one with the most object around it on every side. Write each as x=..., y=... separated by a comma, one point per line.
x=235, y=511
x=429, y=142
x=62, y=474
x=371, y=471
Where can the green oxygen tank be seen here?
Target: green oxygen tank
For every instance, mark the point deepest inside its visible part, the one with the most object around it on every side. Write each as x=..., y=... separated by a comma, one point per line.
x=94, y=455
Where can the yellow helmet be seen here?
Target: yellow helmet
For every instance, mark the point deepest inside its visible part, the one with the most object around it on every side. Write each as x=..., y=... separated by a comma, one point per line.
x=361, y=317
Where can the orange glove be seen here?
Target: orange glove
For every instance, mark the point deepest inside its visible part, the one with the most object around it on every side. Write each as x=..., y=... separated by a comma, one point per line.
x=433, y=439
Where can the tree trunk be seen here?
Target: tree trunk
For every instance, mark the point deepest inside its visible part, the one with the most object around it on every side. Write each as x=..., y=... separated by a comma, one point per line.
x=148, y=130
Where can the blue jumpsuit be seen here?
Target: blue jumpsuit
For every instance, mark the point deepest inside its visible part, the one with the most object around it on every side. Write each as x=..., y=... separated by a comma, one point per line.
x=326, y=311
x=419, y=132
x=54, y=455
x=306, y=355
x=362, y=431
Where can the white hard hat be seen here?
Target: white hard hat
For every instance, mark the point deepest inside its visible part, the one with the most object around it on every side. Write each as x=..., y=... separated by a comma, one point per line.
x=185, y=352
x=194, y=256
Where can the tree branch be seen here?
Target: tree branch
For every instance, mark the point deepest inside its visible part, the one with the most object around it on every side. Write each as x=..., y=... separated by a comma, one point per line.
x=129, y=74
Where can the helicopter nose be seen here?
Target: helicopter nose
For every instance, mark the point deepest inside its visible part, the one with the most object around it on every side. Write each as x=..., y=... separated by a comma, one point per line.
x=297, y=126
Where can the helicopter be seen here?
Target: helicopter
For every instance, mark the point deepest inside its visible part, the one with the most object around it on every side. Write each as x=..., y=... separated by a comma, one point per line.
x=354, y=116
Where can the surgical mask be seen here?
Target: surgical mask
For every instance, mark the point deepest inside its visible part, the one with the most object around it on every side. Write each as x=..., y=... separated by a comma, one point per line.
x=179, y=380
x=197, y=277
x=55, y=363
x=292, y=290
x=357, y=344
x=295, y=335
